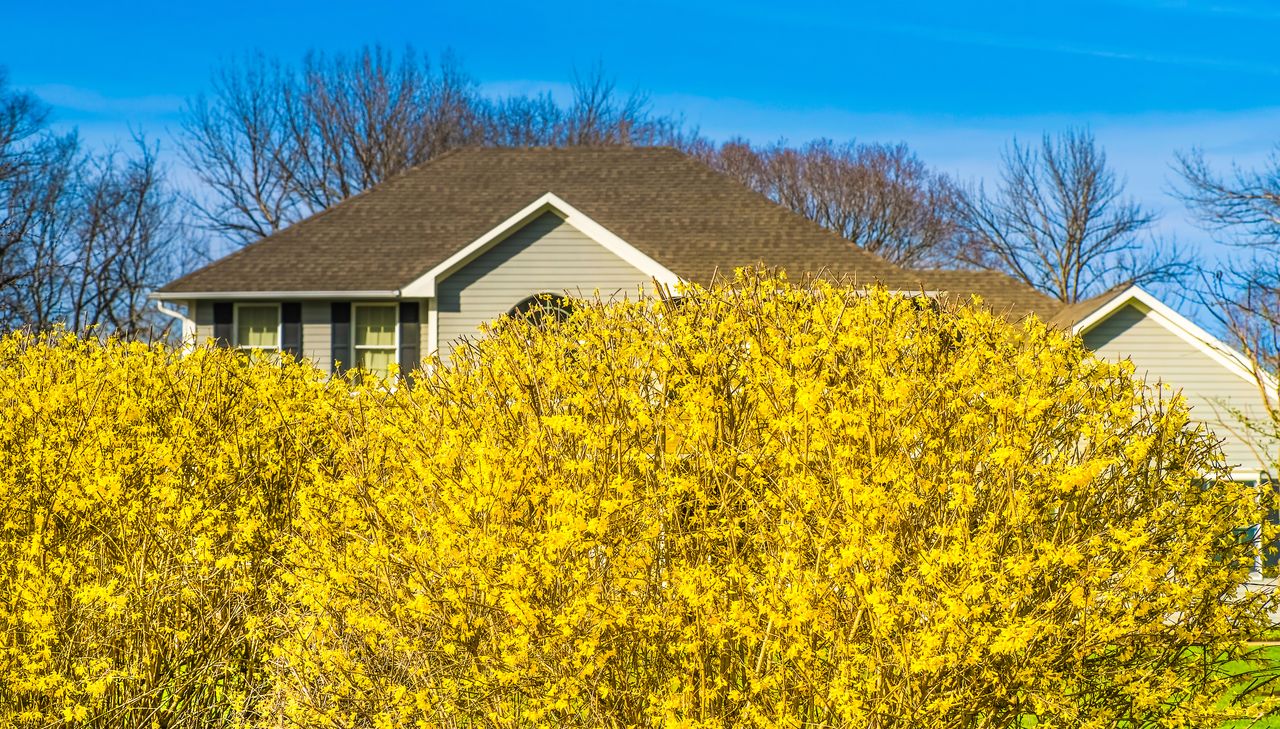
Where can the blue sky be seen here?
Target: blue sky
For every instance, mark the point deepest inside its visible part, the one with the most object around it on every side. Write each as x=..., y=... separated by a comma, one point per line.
x=953, y=80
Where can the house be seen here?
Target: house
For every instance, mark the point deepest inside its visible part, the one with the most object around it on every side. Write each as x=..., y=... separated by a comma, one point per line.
x=412, y=265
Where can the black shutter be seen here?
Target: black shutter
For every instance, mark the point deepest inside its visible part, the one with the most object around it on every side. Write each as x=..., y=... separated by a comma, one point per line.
x=410, y=329
x=340, y=319
x=291, y=328
x=224, y=314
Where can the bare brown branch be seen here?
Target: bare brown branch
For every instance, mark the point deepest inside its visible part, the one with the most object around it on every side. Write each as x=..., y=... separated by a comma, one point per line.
x=881, y=197
x=1059, y=221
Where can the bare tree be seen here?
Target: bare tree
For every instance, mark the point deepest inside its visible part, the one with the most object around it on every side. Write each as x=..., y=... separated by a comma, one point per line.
x=597, y=114
x=358, y=120
x=1059, y=221
x=522, y=121
x=126, y=231
x=237, y=142
x=1243, y=205
x=271, y=144
x=35, y=167
x=738, y=159
x=1242, y=208
x=881, y=197
x=83, y=236
x=600, y=115
x=22, y=118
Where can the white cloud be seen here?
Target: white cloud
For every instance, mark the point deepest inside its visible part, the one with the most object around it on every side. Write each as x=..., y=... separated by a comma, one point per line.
x=87, y=101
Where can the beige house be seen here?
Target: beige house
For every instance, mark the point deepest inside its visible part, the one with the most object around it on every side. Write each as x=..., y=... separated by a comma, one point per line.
x=411, y=266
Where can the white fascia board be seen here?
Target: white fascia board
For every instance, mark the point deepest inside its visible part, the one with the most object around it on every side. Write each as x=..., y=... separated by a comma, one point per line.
x=271, y=295
x=425, y=285
x=1187, y=330
x=1109, y=307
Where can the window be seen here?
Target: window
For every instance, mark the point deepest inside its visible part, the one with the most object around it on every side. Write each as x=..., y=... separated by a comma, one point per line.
x=1266, y=559
x=542, y=309
x=1269, y=553
x=375, y=340
x=257, y=326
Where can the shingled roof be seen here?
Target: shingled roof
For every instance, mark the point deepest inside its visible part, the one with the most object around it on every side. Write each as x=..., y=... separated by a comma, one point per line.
x=691, y=219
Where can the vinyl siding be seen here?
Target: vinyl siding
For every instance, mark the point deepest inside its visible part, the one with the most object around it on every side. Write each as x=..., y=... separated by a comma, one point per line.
x=204, y=321
x=317, y=333
x=1210, y=388
x=546, y=256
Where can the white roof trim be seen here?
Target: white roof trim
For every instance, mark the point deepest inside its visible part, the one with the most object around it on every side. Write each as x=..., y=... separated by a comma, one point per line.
x=271, y=295
x=1184, y=328
x=425, y=285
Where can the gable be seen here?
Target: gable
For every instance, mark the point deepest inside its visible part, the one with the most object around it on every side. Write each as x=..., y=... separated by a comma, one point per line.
x=425, y=285
x=1210, y=387
x=546, y=255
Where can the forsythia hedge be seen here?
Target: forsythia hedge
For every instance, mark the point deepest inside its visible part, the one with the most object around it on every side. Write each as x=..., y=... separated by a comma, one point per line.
x=756, y=505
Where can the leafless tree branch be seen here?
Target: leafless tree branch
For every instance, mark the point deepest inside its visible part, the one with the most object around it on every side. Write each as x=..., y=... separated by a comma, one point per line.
x=881, y=197
x=1060, y=221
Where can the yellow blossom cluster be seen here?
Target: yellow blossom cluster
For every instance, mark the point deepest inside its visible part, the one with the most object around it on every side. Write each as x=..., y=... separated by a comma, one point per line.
x=760, y=504
x=143, y=495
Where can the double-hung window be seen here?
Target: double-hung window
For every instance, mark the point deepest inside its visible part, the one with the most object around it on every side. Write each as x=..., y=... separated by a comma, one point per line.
x=1266, y=558
x=257, y=327
x=376, y=341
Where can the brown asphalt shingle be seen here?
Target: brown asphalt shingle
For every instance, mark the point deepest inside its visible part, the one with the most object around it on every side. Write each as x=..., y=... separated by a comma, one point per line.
x=1068, y=314
x=1002, y=293
x=675, y=209
x=684, y=215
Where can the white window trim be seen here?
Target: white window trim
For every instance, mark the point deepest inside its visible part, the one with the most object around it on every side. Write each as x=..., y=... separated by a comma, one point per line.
x=1255, y=478
x=395, y=307
x=235, y=327
x=546, y=301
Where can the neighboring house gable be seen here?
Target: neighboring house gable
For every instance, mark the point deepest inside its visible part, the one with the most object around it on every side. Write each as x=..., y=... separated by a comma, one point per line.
x=546, y=255
x=1164, y=346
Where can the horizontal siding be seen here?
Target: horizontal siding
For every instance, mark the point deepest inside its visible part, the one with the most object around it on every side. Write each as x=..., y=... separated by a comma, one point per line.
x=317, y=333
x=204, y=321
x=1211, y=390
x=546, y=256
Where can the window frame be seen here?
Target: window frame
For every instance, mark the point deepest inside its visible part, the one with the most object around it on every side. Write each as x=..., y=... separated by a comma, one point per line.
x=1258, y=480
x=355, y=318
x=558, y=307
x=235, y=326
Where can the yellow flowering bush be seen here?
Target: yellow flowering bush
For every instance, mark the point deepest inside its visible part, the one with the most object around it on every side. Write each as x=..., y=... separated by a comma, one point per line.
x=761, y=504
x=143, y=498
x=766, y=504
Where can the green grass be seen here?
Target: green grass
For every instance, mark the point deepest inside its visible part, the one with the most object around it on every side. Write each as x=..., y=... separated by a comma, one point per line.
x=1259, y=674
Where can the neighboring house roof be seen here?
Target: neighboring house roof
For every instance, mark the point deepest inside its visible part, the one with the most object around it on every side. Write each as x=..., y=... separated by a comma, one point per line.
x=1223, y=387
x=1068, y=314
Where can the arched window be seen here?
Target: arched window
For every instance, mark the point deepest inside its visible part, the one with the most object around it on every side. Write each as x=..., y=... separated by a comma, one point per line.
x=541, y=309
